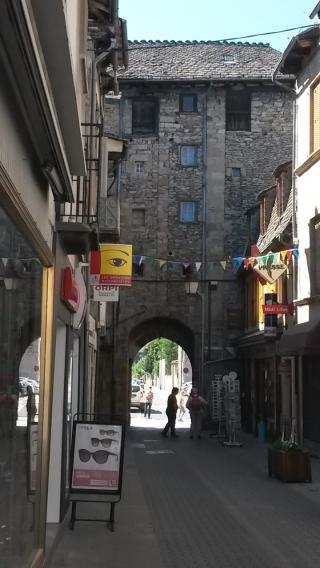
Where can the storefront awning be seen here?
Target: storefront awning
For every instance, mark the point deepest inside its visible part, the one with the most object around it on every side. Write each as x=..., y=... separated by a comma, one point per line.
x=301, y=339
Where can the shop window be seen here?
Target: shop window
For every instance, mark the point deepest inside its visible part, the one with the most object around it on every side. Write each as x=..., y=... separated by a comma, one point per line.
x=188, y=156
x=315, y=117
x=144, y=116
x=20, y=322
x=238, y=110
x=315, y=255
x=187, y=212
x=188, y=103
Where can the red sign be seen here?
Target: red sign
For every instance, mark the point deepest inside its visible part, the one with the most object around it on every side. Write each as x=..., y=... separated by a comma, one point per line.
x=70, y=294
x=278, y=309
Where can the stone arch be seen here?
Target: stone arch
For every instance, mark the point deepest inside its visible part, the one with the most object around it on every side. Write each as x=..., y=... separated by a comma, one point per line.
x=161, y=327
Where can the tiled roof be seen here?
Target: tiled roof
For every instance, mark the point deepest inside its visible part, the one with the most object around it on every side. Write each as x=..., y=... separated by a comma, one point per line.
x=203, y=60
x=276, y=226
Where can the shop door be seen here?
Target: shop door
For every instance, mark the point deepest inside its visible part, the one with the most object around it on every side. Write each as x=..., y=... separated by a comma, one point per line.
x=311, y=399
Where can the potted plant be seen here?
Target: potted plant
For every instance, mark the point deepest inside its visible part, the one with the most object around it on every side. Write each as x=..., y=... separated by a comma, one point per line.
x=289, y=462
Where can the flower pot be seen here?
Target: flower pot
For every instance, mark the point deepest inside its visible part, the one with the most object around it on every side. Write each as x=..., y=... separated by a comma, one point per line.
x=289, y=466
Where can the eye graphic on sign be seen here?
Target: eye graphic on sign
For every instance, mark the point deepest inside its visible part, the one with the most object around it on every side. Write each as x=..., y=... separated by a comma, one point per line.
x=115, y=258
x=117, y=261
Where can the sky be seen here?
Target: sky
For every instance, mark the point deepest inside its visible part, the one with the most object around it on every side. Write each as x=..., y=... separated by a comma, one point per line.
x=216, y=19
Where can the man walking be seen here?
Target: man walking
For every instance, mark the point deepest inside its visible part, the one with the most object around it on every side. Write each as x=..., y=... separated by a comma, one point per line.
x=171, y=412
x=148, y=403
x=196, y=405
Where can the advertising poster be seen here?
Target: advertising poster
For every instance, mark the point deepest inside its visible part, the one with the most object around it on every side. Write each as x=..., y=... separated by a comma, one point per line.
x=112, y=265
x=104, y=293
x=97, y=457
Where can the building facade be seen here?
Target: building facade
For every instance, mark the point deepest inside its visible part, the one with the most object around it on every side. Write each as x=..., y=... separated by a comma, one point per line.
x=205, y=128
x=51, y=131
x=299, y=345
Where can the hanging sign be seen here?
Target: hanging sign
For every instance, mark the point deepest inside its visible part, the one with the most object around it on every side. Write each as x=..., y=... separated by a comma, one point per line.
x=270, y=272
x=111, y=264
x=69, y=290
x=105, y=293
x=278, y=309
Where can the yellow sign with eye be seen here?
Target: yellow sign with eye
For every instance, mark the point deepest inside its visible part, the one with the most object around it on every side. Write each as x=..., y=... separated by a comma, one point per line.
x=111, y=264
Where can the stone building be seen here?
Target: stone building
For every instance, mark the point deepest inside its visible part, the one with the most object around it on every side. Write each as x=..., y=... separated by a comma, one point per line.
x=205, y=127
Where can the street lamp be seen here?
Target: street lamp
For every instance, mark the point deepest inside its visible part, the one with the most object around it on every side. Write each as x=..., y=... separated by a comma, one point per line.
x=191, y=287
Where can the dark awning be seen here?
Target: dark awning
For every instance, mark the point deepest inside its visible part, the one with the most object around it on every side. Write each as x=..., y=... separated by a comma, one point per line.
x=301, y=339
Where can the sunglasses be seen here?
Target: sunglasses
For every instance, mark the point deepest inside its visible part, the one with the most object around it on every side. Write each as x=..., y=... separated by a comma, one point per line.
x=105, y=442
x=108, y=433
x=100, y=456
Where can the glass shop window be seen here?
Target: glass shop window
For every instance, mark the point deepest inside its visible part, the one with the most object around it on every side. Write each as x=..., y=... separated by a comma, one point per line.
x=20, y=308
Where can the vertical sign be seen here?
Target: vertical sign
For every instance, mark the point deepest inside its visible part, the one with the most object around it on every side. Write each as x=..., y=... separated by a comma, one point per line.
x=270, y=320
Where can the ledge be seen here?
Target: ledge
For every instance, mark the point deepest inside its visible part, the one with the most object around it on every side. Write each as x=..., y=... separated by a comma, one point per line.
x=308, y=163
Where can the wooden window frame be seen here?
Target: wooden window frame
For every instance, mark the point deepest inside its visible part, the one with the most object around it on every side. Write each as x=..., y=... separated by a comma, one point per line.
x=313, y=146
x=233, y=115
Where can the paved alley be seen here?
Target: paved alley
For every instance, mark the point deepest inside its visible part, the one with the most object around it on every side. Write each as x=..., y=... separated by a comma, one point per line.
x=196, y=504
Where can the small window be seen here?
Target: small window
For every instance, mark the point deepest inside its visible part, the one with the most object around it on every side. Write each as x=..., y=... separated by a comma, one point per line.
x=144, y=116
x=315, y=117
x=188, y=103
x=188, y=155
x=139, y=167
x=187, y=212
x=236, y=173
x=238, y=110
x=138, y=217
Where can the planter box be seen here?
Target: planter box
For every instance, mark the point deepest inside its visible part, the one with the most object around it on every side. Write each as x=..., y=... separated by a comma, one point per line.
x=289, y=466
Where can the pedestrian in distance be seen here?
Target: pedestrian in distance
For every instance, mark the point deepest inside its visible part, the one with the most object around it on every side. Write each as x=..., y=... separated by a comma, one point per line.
x=196, y=406
x=182, y=407
x=171, y=412
x=148, y=403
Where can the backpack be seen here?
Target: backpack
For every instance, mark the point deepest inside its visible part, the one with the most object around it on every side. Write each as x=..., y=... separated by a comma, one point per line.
x=195, y=403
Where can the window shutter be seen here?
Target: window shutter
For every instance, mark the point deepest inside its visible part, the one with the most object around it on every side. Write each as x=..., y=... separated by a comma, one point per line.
x=316, y=117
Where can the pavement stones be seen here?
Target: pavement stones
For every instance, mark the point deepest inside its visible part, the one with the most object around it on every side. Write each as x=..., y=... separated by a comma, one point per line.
x=195, y=504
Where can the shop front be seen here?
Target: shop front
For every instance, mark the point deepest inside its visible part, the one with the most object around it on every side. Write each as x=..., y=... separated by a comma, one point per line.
x=24, y=327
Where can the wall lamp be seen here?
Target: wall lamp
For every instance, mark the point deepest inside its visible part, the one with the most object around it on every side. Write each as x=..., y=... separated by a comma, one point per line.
x=191, y=287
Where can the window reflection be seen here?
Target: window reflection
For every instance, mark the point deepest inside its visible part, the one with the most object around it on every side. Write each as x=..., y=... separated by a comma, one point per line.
x=20, y=308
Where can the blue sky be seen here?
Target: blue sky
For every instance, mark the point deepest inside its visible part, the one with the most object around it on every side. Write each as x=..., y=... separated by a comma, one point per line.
x=215, y=19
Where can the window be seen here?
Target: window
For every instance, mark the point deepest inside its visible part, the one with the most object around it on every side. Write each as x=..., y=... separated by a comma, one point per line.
x=229, y=59
x=187, y=212
x=188, y=155
x=138, y=217
x=236, y=173
x=188, y=103
x=238, y=110
x=315, y=255
x=139, y=167
x=144, y=116
x=315, y=117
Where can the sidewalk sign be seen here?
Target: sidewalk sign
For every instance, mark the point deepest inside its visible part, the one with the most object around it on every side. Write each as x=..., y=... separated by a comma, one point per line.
x=96, y=462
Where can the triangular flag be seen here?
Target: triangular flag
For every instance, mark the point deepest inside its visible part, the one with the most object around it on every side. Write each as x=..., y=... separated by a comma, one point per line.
x=186, y=265
x=283, y=255
x=289, y=255
x=223, y=263
x=136, y=259
x=210, y=265
x=174, y=265
x=5, y=261
x=198, y=266
x=237, y=262
x=162, y=263
x=295, y=253
x=141, y=260
x=263, y=260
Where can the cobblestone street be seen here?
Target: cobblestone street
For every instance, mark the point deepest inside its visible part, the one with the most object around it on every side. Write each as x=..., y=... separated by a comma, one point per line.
x=197, y=504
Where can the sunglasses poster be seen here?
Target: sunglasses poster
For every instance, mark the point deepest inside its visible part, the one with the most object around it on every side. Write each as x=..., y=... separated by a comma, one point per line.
x=97, y=457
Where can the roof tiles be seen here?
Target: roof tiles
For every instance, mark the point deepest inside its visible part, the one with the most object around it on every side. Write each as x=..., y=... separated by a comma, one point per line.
x=199, y=60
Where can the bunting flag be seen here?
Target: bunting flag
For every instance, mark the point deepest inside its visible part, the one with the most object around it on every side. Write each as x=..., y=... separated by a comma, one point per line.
x=5, y=261
x=269, y=261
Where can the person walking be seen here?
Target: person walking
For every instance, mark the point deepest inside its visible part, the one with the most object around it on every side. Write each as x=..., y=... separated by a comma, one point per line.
x=171, y=412
x=148, y=403
x=196, y=406
x=182, y=407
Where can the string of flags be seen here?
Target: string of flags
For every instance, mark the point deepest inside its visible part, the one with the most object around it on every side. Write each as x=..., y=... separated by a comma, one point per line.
x=235, y=263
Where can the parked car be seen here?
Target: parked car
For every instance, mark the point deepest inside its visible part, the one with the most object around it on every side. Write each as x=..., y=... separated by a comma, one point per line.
x=136, y=396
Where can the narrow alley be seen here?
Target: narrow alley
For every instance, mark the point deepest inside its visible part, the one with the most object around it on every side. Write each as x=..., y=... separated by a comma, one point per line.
x=190, y=503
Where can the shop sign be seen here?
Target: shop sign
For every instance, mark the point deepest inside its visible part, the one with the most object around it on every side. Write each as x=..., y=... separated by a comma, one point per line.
x=111, y=265
x=79, y=315
x=278, y=309
x=270, y=272
x=105, y=293
x=270, y=319
x=97, y=458
x=69, y=290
